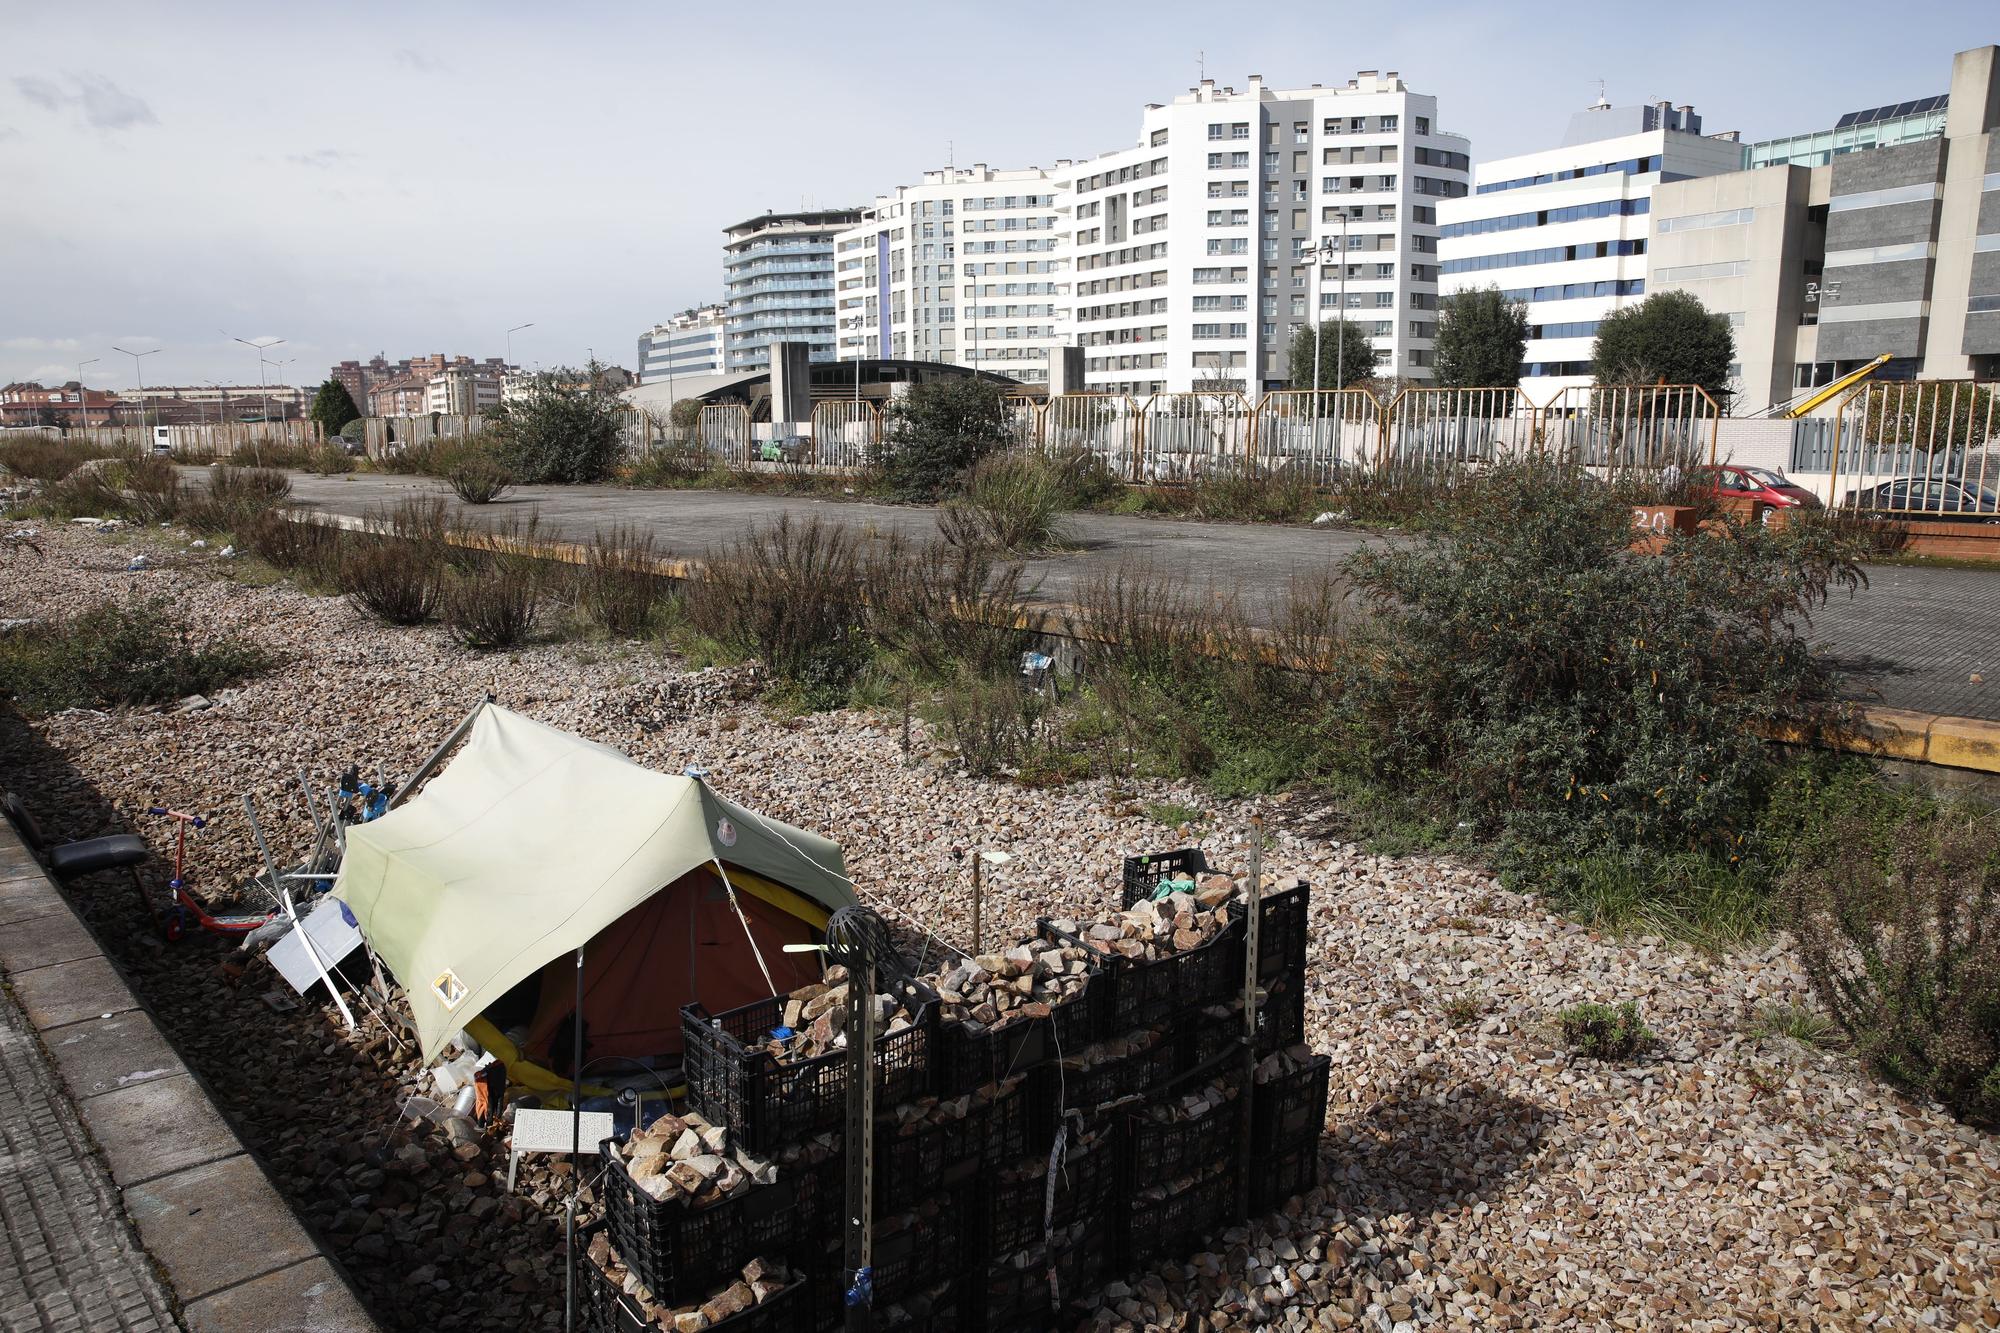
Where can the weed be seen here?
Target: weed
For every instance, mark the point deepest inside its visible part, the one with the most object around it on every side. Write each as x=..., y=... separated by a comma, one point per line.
x=479, y=479
x=233, y=497
x=1808, y=1027
x=115, y=655
x=1174, y=814
x=494, y=607
x=619, y=585
x=1011, y=503
x=790, y=593
x=1604, y=1032
x=1465, y=1008
x=294, y=541
x=45, y=458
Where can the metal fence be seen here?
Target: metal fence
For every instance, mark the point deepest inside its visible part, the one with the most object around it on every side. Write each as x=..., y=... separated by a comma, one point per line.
x=845, y=433
x=1318, y=434
x=1444, y=430
x=1919, y=450
x=1104, y=425
x=1191, y=436
x=724, y=431
x=1629, y=428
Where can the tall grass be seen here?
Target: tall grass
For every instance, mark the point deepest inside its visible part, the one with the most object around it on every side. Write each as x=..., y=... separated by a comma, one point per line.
x=234, y=497
x=119, y=654
x=790, y=593
x=47, y=458
x=619, y=586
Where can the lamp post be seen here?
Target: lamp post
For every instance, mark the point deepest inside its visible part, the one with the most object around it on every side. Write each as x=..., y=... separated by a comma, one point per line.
x=510, y=340
x=83, y=394
x=276, y=365
x=139, y=371
x=1318, y=253
x=225, y=399
x=260, y=348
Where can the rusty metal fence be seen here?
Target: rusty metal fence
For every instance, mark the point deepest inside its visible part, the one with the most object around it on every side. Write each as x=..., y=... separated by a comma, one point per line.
x=724, y=431
x=1321, y=435
x=1919, y=451
x=845, y=433
x=1621, y=429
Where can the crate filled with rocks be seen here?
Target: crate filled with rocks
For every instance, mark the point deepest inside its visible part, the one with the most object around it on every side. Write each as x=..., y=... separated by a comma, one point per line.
x=684, y=1208
x=1159, y=957
x=1287, y=1118
x=1002, y=1014
x=1177, y=1134
x=1172, y=1216
x=776, y=1070
x=763, y=1296
x=1016, y=1206
x=1029, y=1289
x=939, y=1143
x=1109, y=1074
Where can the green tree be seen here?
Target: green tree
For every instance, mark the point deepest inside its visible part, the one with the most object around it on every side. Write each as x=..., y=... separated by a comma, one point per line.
x=1345, y=359
x=937, y=431
x=565, y=426
x=333, y=407
x=1939, y=415
x=1481, y=340
x=1668, y=338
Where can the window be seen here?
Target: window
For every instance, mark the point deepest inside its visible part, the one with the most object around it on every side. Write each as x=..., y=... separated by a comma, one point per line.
x=1385, y=270
x=1159, y=138
x=1270, y=162
x=1217, y=130
x=1389, y=123
x=1229, y=245
x=1729, y=217
x=1301, y=131
x=1384, y=300
x=1423, y=125
x=1240, y=130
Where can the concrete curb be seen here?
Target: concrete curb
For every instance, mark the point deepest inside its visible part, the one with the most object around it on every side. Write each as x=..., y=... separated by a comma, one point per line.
x=1917, y=738
x=218, y=1231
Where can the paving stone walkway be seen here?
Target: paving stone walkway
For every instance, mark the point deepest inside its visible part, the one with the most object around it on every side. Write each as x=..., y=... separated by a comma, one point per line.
x=71, y=1264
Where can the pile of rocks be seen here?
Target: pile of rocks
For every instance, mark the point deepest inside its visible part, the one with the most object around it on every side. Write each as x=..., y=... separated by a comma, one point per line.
x=1023, y=982
x=685, y=1157
x=1288, y=1060
x=762, y=1279
x=816, y=1016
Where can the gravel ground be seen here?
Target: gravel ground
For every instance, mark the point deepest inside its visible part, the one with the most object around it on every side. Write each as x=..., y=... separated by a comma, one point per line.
x=1474, y=1175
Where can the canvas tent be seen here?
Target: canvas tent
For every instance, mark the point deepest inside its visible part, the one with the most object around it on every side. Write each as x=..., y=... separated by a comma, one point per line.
x=533, y=842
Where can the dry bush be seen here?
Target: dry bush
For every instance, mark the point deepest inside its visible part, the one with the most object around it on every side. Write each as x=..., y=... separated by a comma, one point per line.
x=496, y=606
x=46, y=458
x=993, y=723
x=479, y=479
x=234, y=497
x=153, y=492
x=1011, y=503
x=330, y=459
x=619, y=586
x=791, y=594
x=290, y=539
x=941, y=607
x=397, y=569
x=1899, y=930
x=83, y=493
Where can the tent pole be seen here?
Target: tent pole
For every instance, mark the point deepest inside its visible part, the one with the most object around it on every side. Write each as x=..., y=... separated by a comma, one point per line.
x=437, y=755
x=575, y=1148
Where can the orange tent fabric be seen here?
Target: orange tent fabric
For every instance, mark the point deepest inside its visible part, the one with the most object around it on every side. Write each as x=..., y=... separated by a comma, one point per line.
x=682, y=944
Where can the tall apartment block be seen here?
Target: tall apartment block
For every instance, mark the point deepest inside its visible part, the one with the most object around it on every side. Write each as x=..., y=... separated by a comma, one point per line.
x=1879, y=236
x=1172, y=263
x=778, y=285
x=1186, y=272
x=689, y=343
x=1566, y=230
x=969, y=266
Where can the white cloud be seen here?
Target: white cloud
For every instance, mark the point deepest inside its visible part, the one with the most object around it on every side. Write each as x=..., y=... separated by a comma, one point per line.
x=421, y=61
x=319, y=159
x=96, y=100
x=41, y=344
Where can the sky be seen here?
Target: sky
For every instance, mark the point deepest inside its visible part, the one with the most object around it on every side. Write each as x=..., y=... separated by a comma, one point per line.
x=412, y=178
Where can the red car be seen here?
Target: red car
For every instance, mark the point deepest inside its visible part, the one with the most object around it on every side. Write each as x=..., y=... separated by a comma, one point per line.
x=1732, y=481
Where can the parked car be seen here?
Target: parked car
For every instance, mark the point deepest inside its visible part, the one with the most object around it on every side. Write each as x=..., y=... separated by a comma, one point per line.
x=1734, y=481
x=1932, y=499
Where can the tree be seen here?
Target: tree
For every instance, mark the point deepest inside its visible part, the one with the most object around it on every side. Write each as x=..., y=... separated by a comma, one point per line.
x=562, y=427
x=1345, y=359
x=1938, y=415
x=1482, y=338
x=937, y=431
x=333, y=407
x=1668, y=338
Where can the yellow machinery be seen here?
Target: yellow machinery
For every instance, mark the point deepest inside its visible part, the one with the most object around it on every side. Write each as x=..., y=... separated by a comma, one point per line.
x=1847, y=381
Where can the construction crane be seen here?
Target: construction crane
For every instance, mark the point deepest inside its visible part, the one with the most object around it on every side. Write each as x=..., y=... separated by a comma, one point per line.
x=1847, y=381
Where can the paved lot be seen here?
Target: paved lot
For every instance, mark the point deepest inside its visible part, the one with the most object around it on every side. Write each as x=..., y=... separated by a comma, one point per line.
x=71, y=1264
x=1914, y=638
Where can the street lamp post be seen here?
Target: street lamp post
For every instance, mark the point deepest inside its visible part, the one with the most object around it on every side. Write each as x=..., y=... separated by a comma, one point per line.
x=1318, y=252
x=510, y=341
x=83, y=394
x=276, y=365
x=260, y=348
x=140, y=373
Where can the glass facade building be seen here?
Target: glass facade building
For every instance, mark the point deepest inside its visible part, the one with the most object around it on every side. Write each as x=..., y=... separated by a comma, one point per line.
x=1877, y=127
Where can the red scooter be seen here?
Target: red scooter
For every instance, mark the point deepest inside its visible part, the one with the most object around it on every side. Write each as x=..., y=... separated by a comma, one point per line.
x=186, y=910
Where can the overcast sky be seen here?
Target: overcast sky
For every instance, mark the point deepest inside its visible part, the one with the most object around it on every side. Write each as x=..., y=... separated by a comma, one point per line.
x=356, y=178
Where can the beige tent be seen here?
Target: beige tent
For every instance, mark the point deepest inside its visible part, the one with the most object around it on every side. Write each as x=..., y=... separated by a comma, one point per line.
x=533, y=842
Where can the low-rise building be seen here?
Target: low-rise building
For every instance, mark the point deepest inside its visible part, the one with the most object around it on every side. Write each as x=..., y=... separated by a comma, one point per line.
x=689, y=343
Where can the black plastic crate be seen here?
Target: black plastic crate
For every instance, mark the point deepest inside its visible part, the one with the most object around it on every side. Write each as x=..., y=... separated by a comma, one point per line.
x=1284, y=915
x=951, y=1153
x=1284, y=1174
x=1179, y=1223
x=1009, y=1297
x=597, y=1301
x=1168, y=1149
x=1014, y=1209
x=732, y=1080
x=971, y=1055
x=681, y=1253
x=602, y=1307
x=1206, y=1035
x=1129, y=993
x=1139, y=1074
x=1281, y=1017
x=924, y=1246
x=1290, y=1109
x=1144, y=873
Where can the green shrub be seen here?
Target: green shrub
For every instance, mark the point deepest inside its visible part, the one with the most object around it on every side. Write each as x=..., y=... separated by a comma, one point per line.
x=85, y=492
x=355, y=431
x=992, y=723
x=46, y=458
x=479, y=479
x=330, y=459
x=1532, y=674
x=1604, y=1032
x=153, y=492
x=1011, y=503
x=619, y=584
x=936, y=432
x=566, y=427
x=118, y=654
x=941, y=609
x=1898, y=925
x=791, y=594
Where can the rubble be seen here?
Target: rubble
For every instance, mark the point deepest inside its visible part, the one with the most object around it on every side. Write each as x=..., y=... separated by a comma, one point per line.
x=760, y=1281
x=1473, y=1176
x=1022, y=982
x=815, y=1017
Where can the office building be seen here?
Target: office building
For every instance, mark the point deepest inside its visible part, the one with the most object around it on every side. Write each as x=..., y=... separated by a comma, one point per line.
x=778, y=285
x=1184, y=273
x=1826, y=263
x=688, y=344
x=968, y=267
x=1566, y=230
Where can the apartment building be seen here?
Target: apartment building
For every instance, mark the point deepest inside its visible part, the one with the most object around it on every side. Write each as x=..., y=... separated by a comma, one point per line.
x=778, y=285
x=968, y=267
x=1879, y=236
x=1567, y=230
x=461, y=391
x=1185, y=272
x=28, y=403
x=363, y=378
x=689, y=343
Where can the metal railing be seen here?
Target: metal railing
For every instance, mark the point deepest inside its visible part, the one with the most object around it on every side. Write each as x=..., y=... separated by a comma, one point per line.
x=1192, y=436
x=724, y=431
x=1446, y=430
x=1919, y=450
x=1620, y=429
x=1318, y=434
x=845, y=433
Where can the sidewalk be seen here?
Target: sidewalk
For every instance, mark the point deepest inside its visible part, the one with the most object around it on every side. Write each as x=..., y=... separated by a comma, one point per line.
x=124, y=1193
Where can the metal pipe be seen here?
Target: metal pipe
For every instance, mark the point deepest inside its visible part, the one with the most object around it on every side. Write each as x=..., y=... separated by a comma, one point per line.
x=437, y=755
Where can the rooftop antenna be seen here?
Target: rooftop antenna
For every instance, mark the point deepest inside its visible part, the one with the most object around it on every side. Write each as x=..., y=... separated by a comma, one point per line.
x=1603, y=103
x=1201, y=67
